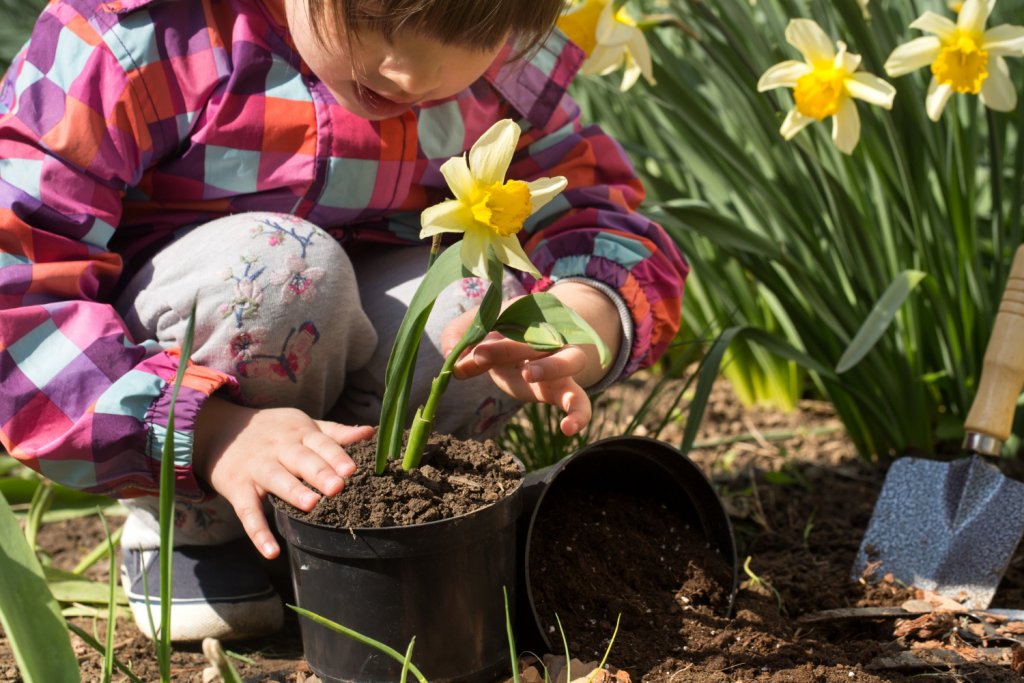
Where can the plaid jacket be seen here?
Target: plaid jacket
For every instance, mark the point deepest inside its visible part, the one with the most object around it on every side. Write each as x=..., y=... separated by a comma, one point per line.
x=122, y=121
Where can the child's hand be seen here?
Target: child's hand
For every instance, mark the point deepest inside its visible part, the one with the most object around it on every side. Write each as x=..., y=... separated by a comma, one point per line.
x=245, y=453
x=558, y=377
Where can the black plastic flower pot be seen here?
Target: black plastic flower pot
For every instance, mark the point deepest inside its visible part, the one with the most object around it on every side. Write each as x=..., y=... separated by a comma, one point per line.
x=440, y=582
x=625, y=464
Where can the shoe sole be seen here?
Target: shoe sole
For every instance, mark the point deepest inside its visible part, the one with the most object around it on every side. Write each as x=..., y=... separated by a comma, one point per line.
x=194, y=620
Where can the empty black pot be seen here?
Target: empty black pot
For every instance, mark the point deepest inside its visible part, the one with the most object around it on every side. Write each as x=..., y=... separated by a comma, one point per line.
x=625, y=464
x=440, y=582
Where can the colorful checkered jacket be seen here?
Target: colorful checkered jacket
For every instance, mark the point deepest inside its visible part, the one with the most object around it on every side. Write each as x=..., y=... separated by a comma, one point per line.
x=123, y=121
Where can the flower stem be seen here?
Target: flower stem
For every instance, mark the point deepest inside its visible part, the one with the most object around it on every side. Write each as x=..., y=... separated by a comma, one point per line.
x=423, y=422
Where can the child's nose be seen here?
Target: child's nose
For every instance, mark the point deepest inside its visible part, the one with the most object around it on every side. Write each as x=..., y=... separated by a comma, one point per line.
x=414, y=81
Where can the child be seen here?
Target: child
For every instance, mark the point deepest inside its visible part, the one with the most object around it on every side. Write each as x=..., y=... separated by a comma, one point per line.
x=269, y=159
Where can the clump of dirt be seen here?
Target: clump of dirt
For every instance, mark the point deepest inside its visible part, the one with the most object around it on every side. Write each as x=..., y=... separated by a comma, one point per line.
x=455, y=478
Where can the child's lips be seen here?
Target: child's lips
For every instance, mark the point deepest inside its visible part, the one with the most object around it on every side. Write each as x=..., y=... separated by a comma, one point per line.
x=379, y=105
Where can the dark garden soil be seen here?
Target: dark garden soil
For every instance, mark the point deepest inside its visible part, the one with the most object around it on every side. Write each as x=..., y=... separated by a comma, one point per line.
x=799, y=499
x=455, y=477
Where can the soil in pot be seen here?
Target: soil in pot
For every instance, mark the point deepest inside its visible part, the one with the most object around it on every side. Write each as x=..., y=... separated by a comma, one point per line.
x=655, y=569
x=455, y=477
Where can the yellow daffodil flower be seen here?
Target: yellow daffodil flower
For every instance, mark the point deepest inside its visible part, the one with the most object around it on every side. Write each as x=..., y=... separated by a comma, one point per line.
x=957, y=5
x=610, y=39
x=488, y=209
x=825, y=85
x=964, y=57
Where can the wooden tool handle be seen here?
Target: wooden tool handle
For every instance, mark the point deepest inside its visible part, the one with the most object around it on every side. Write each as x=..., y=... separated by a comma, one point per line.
x=1002, y=373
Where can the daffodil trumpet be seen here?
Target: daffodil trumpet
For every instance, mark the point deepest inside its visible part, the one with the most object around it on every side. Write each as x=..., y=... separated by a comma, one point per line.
x=489, y=211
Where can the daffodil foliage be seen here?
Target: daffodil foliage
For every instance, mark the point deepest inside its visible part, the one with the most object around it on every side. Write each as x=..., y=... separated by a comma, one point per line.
x=489, y=211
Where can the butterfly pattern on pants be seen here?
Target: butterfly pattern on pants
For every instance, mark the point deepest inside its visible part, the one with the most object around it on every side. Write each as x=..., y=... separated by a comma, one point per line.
x=292, y=362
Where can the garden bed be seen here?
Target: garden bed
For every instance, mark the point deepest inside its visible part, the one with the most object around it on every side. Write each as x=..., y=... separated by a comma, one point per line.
x=799, y=499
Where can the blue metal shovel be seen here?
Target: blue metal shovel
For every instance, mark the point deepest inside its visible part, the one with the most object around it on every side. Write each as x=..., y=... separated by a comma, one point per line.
x=952, y=527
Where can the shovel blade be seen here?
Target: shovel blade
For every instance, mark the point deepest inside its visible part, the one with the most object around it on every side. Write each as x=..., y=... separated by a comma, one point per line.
x=948, y=527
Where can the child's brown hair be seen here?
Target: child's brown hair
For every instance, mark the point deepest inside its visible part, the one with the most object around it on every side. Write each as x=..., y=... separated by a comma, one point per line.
x=468, y=23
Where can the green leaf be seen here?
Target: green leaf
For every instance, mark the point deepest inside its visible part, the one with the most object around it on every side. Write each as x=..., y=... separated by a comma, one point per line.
x=545, y=323
x=447, y=268
x=69, y=587
x=879, y=318
x=698, y=217
x=29, y=613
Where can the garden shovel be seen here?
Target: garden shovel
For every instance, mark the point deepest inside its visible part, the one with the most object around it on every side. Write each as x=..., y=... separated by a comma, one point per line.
x=952, y=527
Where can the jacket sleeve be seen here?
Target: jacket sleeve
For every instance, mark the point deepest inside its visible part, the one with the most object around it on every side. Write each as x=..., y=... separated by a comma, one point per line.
x=81, y=402
x=592, y=231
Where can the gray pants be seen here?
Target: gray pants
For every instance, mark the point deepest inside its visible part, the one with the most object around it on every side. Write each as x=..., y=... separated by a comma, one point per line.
x=281, y=307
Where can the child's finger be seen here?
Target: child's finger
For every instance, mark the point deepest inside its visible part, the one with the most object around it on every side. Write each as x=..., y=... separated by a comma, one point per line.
x=345, y=435
x=565, y=362
x=578, y=410
x=249, y=509
x=325, y=443
x=566, y=394
x=494, y=354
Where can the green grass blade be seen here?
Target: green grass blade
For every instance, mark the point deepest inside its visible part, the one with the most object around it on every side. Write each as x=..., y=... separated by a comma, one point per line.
x=565, y=648
x=29, y=613
x=511, y=637
x=41, y=501
x=97, y=553
x=607, y=650
x=359, y=637
x=408, y=661
x=108, y=657
x=167, y=506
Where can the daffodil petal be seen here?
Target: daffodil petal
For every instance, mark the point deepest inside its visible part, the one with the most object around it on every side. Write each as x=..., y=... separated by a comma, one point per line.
x=603, y=59
x=783, y=75
x=448, y=216
x=847, y=61
x=941, y=26
x=543, y=190
x=630, y=75
x=510, y=252
x=809, y=38
x=460, y=180
x=846, y=127
x=474, y=251
x=871, y=89
x=972, y=16
x=1005, y=40
x=492, y=152
x=794, y=123
x=641, y=54
x=611, y=31
x=910, y=56
x=935, y=102
x=997, y=92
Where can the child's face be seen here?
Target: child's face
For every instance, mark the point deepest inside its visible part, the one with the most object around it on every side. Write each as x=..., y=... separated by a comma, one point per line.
x=377, y=78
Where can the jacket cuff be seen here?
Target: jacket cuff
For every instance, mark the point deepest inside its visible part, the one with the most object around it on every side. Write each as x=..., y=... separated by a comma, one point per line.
x=198, y=384
x=626, y=320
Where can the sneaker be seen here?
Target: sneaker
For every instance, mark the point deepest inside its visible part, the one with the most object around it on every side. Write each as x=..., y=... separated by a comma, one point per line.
x=217, y=591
